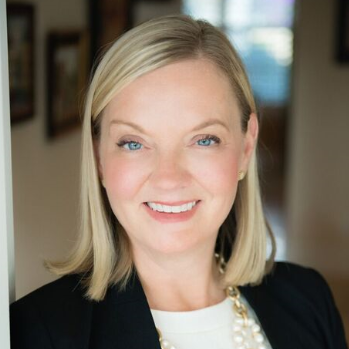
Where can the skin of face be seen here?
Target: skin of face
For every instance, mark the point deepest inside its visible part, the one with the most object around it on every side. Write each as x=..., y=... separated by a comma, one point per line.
x=174, y=135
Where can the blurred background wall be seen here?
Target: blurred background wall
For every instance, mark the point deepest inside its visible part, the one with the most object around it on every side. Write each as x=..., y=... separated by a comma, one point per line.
x=45, y=173
x=307, y=195
x=317, y=197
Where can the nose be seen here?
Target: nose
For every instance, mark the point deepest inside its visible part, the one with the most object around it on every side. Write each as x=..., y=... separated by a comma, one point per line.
x=170, y=171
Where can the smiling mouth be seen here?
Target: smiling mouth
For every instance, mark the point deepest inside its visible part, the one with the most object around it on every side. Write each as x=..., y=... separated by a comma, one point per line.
x=172, y=208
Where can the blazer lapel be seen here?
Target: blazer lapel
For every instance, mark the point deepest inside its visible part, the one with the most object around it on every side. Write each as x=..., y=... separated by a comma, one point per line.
x=267, y=316
x=275, y=319
x=123, y=320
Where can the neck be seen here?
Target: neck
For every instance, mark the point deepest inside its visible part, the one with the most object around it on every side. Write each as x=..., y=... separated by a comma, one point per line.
x=179, y=282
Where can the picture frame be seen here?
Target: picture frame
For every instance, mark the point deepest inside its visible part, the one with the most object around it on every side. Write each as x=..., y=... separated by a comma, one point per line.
x=108, y=19
x=20, y=29
x=343, y=31
x=67, y=72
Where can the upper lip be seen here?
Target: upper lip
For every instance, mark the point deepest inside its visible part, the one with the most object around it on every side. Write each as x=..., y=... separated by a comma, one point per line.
x=173, y=203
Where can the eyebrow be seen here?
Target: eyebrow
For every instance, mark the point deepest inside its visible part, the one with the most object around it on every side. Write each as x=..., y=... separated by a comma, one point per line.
x=210, y=122
x=127, y=123
x=207, y=123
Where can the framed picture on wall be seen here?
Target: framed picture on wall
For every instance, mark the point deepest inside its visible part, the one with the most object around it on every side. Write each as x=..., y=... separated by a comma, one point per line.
x=108, y=20
x=66, y=78
x=343, y=31
x=20, y=24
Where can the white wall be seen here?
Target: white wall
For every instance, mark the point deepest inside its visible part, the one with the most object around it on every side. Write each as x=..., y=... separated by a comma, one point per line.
x=45, y=173
x=318, y=186
x=6, y=216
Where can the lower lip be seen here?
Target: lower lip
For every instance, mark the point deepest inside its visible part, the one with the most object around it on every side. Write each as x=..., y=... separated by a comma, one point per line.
x=165, y=217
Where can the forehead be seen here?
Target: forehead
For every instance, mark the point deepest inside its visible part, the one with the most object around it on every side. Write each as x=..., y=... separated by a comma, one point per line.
x=190, y=89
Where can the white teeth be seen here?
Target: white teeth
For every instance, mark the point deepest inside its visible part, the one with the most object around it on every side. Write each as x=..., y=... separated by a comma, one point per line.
x=172, y=209
x=176, y=209
x=166, y=209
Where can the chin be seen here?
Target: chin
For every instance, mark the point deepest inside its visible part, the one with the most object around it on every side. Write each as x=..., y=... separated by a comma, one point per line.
x=178, y=242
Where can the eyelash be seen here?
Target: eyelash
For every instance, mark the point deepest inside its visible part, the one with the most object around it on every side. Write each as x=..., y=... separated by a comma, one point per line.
x=123, y=142
x=213, y=138
x=210, y=138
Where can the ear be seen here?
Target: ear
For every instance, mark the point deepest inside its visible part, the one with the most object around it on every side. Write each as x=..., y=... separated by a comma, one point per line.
x=250, y=141
x=96, y=149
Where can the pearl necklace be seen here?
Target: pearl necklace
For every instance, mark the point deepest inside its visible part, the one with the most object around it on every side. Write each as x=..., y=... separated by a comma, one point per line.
x=246, y=332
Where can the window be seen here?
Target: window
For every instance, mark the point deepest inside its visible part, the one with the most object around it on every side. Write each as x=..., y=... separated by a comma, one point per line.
x=262, y=33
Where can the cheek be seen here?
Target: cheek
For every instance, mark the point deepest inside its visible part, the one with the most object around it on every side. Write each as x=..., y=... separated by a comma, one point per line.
x=123, y=178
x=218, y=173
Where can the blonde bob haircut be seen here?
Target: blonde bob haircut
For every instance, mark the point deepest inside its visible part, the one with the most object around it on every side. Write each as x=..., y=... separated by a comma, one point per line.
x=103, y=252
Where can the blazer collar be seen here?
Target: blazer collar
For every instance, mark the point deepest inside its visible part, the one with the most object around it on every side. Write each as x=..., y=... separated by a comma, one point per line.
x=123, y=320
x=272, y=316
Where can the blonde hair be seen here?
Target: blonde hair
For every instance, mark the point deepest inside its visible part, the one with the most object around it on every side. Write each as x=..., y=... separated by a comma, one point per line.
x=102, y=251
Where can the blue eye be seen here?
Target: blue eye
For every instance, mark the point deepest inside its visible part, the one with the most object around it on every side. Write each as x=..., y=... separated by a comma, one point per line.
x=208, y=141
x=205, y=142
x=130, y=145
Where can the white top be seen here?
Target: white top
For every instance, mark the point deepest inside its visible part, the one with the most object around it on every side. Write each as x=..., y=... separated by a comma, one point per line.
x=213, y=327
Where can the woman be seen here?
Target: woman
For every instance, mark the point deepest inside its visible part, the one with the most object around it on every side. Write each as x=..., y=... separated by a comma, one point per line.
x=172, y=226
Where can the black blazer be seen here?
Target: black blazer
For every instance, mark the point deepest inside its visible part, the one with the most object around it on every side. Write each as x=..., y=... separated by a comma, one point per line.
x=294, y=305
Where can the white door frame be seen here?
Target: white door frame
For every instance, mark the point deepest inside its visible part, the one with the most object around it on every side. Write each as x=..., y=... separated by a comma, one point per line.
x=7, y=292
